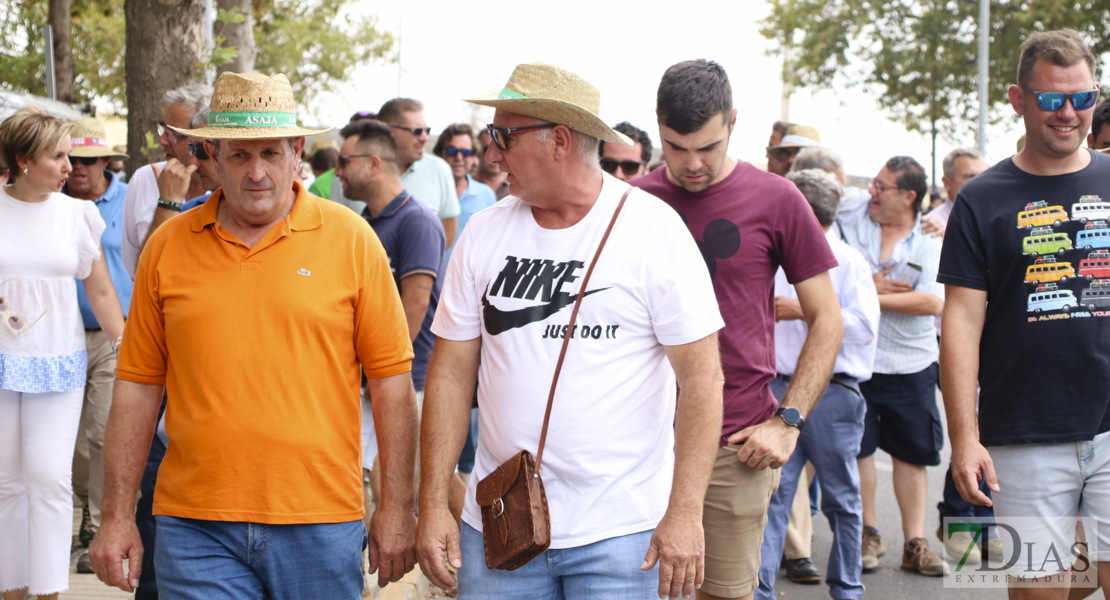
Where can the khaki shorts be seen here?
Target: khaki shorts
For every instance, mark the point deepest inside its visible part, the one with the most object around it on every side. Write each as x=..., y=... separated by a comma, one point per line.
x=734, y=517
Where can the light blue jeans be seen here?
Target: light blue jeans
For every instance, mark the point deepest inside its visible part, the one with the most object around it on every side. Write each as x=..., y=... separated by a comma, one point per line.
x=608, y=569
x=217, y=560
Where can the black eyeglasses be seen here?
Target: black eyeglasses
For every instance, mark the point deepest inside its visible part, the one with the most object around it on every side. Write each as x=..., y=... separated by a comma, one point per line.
x=164, y=129
x=198, y=151
x=630, y=167
x=88, y=161
x=881, y=187
x=452, y=152
x=346, y=158
x=500, y=136
x=417, y=131
x=1054, y=101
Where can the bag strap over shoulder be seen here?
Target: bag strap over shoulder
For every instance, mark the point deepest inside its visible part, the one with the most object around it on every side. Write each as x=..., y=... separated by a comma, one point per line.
x=570, y=327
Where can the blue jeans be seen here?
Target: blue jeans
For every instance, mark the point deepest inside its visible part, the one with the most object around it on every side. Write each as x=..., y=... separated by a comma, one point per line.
x=217, y=560
x=601, y=570
x=830, y=440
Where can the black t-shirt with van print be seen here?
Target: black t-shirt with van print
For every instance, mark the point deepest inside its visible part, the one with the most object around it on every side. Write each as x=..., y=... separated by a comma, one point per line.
x=1040, y=248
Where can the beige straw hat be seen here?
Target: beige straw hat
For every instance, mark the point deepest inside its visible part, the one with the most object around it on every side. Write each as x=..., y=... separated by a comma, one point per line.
x=555, y=95
x=90, y=140
x=251, y=106
x=799, y=136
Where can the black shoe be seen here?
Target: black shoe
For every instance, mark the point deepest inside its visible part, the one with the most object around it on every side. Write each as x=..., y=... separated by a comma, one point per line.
x=83, y=563
x=85, y=533
x=802, y=570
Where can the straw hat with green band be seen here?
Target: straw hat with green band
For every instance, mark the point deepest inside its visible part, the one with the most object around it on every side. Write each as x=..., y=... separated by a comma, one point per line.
x=251, y=106
x=90, y=140
x=554, y=95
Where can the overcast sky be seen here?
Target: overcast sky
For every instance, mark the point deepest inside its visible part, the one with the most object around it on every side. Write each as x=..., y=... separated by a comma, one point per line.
x=454, y=50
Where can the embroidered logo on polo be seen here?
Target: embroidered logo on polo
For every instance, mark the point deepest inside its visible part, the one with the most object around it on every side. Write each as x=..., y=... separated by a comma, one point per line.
x=535, y=279
x=720, y=240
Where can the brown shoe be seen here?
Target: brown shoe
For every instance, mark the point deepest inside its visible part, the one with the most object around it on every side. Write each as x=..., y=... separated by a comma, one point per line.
x=872, y=548
x=916, y=556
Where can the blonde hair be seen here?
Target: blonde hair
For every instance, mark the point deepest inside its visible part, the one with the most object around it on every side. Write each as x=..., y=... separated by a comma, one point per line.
x=28, y=133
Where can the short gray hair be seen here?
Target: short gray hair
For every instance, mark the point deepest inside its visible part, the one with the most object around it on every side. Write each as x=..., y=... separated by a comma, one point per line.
x=949, y=163
x=587, y=146
x=194, y=95
x=200, y=119
x=819, y=157
x=821, y=190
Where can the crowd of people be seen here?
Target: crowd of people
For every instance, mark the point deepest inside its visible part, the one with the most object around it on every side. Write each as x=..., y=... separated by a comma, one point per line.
x=219, y=356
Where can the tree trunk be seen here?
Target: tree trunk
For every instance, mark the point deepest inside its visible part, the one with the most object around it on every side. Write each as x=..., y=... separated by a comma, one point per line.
x=238, y=35
x=166, y=43
x=63, y=51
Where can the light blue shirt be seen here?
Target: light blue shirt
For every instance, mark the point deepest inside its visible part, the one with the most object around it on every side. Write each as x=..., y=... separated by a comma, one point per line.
x=110, y=206
x=907, y=343
x=430, y=181
x=478, y=196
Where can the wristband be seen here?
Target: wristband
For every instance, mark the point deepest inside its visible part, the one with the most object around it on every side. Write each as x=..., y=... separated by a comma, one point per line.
x=174, y=206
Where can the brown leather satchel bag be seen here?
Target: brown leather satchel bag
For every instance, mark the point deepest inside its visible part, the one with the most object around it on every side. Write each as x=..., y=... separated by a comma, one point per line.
x=516, y=526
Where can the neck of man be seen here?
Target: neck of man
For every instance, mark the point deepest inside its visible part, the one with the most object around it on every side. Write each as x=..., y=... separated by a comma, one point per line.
x=460, y=185
x=1038, y=164
x=900, y=227
x=569, y=200
x=95, y=193
x=248, y=232
x=494, y=180
x=383, y=195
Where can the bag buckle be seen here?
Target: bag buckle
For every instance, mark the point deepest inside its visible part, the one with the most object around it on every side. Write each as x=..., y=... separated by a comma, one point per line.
x=499, y=506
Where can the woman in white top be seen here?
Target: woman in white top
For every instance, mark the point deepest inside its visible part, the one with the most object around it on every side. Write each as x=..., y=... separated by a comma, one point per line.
x=47, y=240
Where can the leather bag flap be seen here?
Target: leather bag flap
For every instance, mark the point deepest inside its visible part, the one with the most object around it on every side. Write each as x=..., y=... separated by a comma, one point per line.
x=494, y=486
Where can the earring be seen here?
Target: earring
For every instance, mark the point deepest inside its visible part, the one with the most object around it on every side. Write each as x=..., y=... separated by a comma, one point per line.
x=24, y=170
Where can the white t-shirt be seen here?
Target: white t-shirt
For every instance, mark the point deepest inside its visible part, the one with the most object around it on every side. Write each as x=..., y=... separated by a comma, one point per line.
x=608, y=463
x=138, y=213
x=44, y=247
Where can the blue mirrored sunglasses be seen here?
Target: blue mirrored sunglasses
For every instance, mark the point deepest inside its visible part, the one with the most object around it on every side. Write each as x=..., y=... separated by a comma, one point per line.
x=452, y=152
x=1054, y=101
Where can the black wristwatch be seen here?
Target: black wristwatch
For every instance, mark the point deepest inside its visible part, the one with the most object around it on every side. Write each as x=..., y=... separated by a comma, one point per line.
x=170, y=204
x=791, y=417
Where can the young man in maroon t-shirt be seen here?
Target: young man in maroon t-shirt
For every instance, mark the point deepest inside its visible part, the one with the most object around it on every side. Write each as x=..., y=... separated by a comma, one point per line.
x=747, y=224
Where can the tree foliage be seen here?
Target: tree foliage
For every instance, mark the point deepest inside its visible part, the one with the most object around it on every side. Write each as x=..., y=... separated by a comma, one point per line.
x=919, y=57
x=313, y=42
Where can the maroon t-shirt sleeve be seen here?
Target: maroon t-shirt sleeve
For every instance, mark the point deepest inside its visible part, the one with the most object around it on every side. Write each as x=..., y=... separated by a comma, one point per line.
x=799, y=240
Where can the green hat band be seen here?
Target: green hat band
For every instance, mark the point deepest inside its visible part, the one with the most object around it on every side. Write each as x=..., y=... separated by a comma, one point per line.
x=253, y=119
x=507, y=94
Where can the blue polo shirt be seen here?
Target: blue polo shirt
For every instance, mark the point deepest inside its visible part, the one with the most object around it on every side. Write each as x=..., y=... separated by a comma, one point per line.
x=110, y=206
x=413, y=237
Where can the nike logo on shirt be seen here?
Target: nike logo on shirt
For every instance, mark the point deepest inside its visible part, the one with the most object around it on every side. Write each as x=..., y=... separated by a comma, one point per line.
x=499, y=321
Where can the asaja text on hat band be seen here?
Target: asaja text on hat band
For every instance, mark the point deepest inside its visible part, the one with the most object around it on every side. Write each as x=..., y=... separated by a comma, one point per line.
x=253, y=119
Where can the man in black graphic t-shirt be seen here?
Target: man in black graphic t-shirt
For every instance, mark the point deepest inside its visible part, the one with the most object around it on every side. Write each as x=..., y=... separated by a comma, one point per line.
x=1031, y=235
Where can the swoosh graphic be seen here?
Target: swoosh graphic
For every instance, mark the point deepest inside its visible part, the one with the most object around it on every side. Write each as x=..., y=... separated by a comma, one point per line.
x=499, y=321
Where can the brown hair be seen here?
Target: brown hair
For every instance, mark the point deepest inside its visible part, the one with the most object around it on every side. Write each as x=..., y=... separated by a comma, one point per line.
x=28, y=133
x=451, y=131
x=1062, y=48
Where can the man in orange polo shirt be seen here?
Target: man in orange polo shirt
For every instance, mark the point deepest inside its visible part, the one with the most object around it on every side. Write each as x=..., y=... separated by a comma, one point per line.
x=256, y=312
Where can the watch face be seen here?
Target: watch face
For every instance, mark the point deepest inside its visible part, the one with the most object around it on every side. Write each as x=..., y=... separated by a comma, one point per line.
x=790, y=415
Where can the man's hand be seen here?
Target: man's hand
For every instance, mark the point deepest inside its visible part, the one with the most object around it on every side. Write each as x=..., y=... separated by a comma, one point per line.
x=787, y=309
x=437, y=533
x=970, y=460
x=114, y=542
x=392, y=544
x=890, y=286
x=173, y=179
x=931, y=225
x=768, y=444
x=678, y=545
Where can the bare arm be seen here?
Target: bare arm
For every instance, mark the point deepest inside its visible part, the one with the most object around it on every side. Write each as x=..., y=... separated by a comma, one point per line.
x=678, y=543
x=416, y=292
x=450, y=226
x=448, y=393
x=127, y=438
x=173, y=184
x=771, y=443
x=393, y=532
x=959, y=374
x=103, y=299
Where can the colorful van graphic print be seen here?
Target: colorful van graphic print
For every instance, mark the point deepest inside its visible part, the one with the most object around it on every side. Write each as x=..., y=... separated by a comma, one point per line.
x=1097, y=296
x=1095, y=235
x=1049, y=297
x=1046, y=269
x=1090, y=208
x=1097, y=264
x=1040, y=214
x=1044, y=240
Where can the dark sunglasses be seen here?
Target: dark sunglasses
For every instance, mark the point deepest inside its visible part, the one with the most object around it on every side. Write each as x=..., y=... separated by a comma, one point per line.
x=163, y=129
x=346, y=158
x=452, y=152
x=630, y=167
x=198, y=151
x=783, y=154
x=500, y=136
x=417, y=131
x=88, y=161
x=1054, y=101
